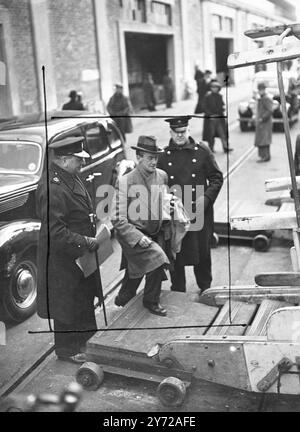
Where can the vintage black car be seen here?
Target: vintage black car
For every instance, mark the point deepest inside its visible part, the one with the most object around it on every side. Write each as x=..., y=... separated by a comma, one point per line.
x=22, y=157
x=247, y=109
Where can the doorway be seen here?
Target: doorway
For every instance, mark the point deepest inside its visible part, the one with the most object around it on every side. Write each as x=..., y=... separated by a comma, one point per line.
x=146, y=54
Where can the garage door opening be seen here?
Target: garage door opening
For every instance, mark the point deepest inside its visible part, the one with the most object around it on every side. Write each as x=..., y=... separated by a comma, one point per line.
x=147, y=54
x=223, y=48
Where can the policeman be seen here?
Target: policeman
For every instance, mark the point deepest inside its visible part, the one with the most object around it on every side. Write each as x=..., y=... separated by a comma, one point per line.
x=189, y=166
x=67, y=232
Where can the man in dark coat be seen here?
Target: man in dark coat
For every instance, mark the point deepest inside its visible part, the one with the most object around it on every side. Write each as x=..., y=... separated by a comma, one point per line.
x=67, y=232
x=119, y=107
x=140, y=232
x=264, y=123
x=149, y=92
x=190, y=164
x=74, y=103
x=213, y=106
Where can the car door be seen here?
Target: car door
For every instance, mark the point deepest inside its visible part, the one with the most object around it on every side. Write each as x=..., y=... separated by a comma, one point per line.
x=105, y=146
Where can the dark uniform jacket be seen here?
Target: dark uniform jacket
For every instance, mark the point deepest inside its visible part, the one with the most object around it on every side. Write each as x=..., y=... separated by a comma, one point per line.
x=193, y=164
x=69, y=221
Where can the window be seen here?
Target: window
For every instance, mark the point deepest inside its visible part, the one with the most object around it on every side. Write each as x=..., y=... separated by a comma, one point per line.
x=97, y=142
x=139, y=10
x=217, y=22
x=228, y=25
x=162, y=13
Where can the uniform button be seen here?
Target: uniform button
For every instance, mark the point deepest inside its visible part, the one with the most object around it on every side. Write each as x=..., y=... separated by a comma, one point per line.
x=194, y=160
x=196, y=148
x=172, y=177
x=170, y=164
x=168, y=152
x=193, y=175
x=193, y=190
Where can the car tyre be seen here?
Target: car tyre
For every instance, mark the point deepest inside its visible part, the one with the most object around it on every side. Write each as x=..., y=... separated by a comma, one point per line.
x=18, y=300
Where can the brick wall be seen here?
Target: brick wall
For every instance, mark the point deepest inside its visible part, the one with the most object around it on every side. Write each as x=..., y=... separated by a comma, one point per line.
x=22, y=53
x=73, y=46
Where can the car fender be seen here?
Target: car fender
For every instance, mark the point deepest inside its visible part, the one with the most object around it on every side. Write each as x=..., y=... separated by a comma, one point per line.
x=15, y=239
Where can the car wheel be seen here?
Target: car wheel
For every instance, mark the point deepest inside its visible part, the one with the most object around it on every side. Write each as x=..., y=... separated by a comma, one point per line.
x=19, y=297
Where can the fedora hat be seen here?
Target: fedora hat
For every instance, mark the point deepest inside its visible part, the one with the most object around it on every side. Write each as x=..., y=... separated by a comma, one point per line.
x=147, y=144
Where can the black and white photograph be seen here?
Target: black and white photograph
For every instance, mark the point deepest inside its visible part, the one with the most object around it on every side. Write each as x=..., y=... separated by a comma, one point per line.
x=149, y=208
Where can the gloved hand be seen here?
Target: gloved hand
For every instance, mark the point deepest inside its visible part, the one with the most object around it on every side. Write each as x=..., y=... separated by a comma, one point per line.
x=92, y=244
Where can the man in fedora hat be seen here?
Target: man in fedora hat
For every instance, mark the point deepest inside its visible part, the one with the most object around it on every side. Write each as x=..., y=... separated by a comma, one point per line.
x=264, y=124
x=138, y=226
x=67, y=232
x=213, y=106
x=74, y=103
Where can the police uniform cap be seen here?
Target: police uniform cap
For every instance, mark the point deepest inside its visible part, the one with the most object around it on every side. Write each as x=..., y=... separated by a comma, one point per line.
x=178, y=122
x=70, y=146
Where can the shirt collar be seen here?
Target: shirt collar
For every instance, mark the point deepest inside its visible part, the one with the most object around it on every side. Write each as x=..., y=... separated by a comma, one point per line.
x=64, y=175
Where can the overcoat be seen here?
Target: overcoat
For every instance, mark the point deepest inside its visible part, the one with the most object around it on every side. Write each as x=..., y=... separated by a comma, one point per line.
x=131, y=227
x=213, y=104
x=120, y=107
x=64, y=208
x=264, y=110
x=193, y=164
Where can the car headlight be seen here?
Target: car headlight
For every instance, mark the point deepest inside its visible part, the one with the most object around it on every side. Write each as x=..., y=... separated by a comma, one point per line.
x=243, y=107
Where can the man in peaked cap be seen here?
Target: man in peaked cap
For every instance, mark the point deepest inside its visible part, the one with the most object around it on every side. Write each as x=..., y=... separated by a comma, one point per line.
x=139, y=227
x=67, y=232
x=190, y=164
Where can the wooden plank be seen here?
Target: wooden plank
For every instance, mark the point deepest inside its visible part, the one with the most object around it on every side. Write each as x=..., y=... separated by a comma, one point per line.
x=271, y=221
x=229, y=324
x=279, y=184
x=137, y=330
x=278, y=279
x=268, y=54
x=258, y=326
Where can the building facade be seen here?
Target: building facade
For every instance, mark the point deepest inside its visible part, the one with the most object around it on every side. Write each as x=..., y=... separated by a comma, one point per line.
x=88, y=45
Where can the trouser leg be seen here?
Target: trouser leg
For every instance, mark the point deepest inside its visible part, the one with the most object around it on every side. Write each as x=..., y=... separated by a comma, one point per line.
x=178, y=278
x=222, y=135
x=128, y=289
x=152, y=288
x=203, y=273
x=211, y=138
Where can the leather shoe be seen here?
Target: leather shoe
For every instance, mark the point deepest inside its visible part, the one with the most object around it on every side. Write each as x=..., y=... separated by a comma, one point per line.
x=155, y=309
x=76, y=358
x=118, y=302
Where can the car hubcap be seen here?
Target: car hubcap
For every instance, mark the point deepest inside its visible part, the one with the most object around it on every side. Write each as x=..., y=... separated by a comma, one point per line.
x=24, y=286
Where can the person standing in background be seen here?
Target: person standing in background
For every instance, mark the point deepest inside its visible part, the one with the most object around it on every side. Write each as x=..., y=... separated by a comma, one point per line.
x=74, y=104
x=168, y=88
x=264, y=124
x=119, y=107
x=149, y=95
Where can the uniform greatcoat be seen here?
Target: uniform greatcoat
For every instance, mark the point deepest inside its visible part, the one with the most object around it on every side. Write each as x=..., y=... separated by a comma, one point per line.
x=64, y=208
x=194, y=164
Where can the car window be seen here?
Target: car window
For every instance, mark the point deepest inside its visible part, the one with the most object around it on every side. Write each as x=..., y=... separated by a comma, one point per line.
x=19, y=157
x=97, y=140
x=114, y=136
